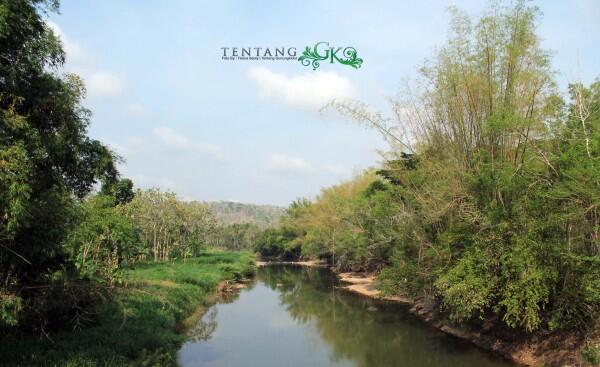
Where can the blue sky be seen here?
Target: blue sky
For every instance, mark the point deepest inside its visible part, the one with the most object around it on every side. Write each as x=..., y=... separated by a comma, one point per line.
x=250, y=131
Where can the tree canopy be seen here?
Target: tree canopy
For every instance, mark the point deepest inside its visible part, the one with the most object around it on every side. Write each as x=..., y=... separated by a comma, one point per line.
x=488, y=202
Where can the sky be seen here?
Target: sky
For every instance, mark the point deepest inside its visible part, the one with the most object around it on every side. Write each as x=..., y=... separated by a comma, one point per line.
x=209, y=129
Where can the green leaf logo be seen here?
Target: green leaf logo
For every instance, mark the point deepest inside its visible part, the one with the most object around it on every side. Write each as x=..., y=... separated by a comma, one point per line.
x=321, y=51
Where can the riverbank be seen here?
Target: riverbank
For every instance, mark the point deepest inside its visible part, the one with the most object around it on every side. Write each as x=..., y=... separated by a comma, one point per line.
x=309, y=263
x=541, y=349
x=144, y=321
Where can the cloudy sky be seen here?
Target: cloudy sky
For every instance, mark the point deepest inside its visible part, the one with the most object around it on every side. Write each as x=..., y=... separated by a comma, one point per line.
x=251, y=131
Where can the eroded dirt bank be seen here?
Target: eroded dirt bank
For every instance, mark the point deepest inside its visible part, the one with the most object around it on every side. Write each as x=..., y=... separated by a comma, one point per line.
x=542, y=349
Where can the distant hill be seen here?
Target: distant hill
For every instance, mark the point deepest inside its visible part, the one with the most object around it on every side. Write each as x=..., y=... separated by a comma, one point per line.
x=228, y=212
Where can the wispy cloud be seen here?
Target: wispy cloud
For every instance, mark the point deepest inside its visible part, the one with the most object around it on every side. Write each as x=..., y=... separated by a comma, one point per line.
x=179, y=141
x=99, y=83
x=208, y=148
x=104, y=84
x=310, y=90
x=286, y=163
x=135, y=109
x=75, y=53
x=172, y=138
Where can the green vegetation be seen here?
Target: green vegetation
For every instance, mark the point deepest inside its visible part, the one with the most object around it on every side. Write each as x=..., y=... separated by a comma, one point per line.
x=110, y=231
x=169, y=227
x=387, y=338
x=241, y=225
x=47, y=165
x=142, y=324
x=488, y=204
x=76, y=286
x=262, y=216
x=591, y=355
x=235, y=236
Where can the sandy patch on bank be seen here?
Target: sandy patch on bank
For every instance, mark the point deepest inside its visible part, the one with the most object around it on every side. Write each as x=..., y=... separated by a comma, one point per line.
x=367, y=286
x=552, y=350
x=540, y=350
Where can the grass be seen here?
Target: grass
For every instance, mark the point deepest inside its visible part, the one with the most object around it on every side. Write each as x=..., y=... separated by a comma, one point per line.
x=140, y=326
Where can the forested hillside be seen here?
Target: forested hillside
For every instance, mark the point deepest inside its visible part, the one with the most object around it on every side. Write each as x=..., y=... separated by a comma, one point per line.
x=229, y=212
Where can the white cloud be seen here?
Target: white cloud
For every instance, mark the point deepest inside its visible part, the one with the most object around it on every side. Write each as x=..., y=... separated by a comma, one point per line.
x=104, y=84
x=310, y=90
x=99, y=83
x=75, y=53
x=282, y=162
x=172, y=138
x=179, y=141
x=135, y=109
x=209, y=148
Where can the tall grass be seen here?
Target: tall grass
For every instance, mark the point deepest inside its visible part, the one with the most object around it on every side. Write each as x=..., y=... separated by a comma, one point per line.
x=140, y=325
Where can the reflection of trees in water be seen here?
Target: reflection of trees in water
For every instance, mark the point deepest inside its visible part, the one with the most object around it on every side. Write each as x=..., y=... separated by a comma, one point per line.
x=207, y=325
x=309, y=294
x=353, y=327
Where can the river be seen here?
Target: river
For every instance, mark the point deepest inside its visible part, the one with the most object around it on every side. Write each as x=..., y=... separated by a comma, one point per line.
x=295, y=316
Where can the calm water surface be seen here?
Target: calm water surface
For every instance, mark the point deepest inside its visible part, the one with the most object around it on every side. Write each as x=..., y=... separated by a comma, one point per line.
x=294, y=316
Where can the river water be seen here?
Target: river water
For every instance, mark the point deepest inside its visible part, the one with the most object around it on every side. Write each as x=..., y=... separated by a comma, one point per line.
x=295, y=316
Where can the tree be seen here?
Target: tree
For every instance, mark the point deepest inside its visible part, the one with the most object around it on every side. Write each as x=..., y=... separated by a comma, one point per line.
x=170, y=228
x=488, y=203
x=103, y=241
x=121, y=190
x=46, y=158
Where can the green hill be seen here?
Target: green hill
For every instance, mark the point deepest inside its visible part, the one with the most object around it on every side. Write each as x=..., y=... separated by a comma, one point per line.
x=228, y=212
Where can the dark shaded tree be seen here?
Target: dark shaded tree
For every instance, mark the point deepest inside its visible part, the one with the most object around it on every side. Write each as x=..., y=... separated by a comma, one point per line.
x=47, y=160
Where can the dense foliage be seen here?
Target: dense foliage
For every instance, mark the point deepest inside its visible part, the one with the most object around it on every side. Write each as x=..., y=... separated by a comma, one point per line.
x=63, y=247
x=127, y=227
x=489, y=200
x=487, y=205
x=236, y=236
x=169, y=227
x=142, y=325
x=47, y=162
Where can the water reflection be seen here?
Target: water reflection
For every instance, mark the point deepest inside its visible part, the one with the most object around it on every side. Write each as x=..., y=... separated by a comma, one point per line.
x=203, y=330
x=297, y=316
x=205, y=327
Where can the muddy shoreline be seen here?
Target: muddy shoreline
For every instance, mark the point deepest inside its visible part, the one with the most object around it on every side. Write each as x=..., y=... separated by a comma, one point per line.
x=541, y=349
